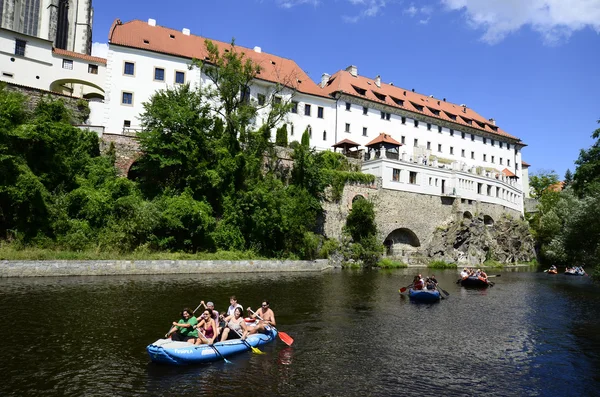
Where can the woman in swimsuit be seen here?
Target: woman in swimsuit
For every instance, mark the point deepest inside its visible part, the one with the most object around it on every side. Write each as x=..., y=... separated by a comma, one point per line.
x=235, y=323
x=207, y=329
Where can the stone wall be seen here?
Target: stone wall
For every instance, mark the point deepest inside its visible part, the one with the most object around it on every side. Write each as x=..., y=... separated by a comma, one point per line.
x=123, y=267
x=127, y=150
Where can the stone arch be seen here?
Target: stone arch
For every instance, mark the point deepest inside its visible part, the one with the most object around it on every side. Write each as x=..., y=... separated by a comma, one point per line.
x=354, y=199
x=93, y=96
x=401, y=242
x=467, y=215
x=56, y=84
x=488, y=220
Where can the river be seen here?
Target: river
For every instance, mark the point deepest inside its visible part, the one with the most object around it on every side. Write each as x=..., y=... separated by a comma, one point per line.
x=531, y=334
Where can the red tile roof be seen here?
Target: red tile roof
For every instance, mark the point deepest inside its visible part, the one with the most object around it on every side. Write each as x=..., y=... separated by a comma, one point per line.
x=383, y=137
x=85, y=57
x=508, y=173
x=346, y=142
x=525, y=164
x=556, y=187
x=401, y=98
x=173, y=42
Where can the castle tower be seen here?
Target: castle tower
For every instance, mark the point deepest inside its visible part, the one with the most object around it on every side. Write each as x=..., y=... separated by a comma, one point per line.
x=67, y=23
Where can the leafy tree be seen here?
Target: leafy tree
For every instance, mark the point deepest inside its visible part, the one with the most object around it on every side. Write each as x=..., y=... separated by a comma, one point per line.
x=281, y=139
x=587, y=172
x=540, y=181
x=568, y=178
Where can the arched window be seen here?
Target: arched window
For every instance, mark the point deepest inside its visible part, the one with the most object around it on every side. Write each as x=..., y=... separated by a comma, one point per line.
x=324, y=135
x=309, y=129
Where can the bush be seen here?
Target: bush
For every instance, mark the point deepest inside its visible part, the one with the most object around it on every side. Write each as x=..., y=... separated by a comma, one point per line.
x=441, y=265
x=386, y=263
x=329, y=247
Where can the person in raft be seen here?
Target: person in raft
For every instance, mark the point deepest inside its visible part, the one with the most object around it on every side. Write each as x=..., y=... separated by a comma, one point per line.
x=235, y=323
x=418, y=283
x=215, y=314
x=233, y=303
x=266, y=317
x=207, y=328
x=185, y=329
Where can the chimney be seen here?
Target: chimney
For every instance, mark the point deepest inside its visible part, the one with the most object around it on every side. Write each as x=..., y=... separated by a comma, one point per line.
x=462, y=105
x=378, y=81
x=257, y=49
x=492, y=121
x=430, y=96
x=324, y=79
x=353, y=70
x=152, y=22
x=185, y=31
x=391, y=83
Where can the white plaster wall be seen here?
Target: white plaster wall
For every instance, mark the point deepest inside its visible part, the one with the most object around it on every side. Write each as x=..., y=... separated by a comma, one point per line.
x=40, y=67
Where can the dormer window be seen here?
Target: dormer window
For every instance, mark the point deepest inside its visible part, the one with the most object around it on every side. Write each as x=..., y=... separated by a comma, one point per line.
x=379, y=96
x=434, y=111
x=466, y=120
x=451, y=116
x=397, y=101
x=481, y=125
x=493, y=127
x=417, y=106
x=359, y=90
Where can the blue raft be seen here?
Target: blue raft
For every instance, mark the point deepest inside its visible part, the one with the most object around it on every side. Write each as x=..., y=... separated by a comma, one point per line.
x=167, y=351
x=424, y=295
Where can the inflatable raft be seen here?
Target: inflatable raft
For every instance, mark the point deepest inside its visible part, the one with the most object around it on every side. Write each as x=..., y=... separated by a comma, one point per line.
x=474, y=282
x=424, y=295
x=167, y=351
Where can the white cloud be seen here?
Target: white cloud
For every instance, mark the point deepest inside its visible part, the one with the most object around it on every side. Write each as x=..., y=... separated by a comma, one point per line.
x=99, y=49
x=555, y=20
x=424, y=21
x=293, y=3
x=411, y=11
x=370, y=8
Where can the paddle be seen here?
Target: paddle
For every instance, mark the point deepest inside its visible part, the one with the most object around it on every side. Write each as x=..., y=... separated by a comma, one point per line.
x=173, y=328
x=403, y=289
x=443, y=291
x=215, y=349
x=254, y=349
x=497, y=275
x=285, y=338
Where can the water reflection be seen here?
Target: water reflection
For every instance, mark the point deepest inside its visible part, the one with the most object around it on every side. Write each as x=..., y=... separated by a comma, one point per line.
x=530, y=334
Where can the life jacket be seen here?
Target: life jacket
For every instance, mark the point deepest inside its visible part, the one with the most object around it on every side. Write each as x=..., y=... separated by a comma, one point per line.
x=418, y=285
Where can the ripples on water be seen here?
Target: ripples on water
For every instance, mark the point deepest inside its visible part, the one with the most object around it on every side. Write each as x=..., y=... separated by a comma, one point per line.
x=532, y=334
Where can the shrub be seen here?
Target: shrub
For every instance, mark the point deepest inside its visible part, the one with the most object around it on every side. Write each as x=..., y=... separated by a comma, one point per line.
x=441, y=265
x=386, y=263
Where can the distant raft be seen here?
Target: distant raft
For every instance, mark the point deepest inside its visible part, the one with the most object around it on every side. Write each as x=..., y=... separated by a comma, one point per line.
x=424, y=295
x=167, y=351
x=475, y=282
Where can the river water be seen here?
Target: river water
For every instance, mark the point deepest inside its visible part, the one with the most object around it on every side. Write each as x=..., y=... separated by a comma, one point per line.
x=531, y=334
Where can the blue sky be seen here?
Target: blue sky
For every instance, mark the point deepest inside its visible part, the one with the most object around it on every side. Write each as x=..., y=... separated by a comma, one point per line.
x=530, y=64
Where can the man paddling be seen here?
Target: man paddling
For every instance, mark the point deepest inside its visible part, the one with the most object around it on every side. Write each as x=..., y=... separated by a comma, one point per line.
x=266, y=318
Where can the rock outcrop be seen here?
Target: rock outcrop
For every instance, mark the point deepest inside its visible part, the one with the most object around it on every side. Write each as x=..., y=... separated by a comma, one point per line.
x=471, y=242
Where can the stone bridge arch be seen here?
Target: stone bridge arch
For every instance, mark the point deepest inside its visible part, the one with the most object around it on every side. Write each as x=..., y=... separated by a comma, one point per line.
x=127, y=150
x=488, y=220
x=401, y=242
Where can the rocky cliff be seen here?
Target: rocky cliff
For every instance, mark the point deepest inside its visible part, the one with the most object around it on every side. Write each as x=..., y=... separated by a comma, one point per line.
x=471, y=242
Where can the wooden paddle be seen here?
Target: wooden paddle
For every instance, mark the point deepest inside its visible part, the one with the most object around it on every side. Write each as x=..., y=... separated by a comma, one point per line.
x=215, y=349
x=442, y=291
x=403, y=289
x=254, y=349
x=285, y=338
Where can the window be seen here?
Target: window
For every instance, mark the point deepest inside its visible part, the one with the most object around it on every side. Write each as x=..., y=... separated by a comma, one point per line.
x=462, y=135
x=277, y=100
x=379, y=96
x=416, y=142
x=428, y=127
x=439, y=147
x=129, y=68
x=473, y=137
x=127, y=98
x=403, y=120
x=440, y=129
x=492, y=142
x=307, y=109
x=493, y=159
x=388, y=116
x=347, y=129
x=365, y=110
x=500, y=143
x=489, y=190
x=451, y=150
x=245, y=95
x=364, y=131
x=516, y=166
x=179, y=77
x=484, y=157
x=479, y=187
x=320, y=112
x=430, y=181
x=501, y=160
x=159, y=74
x=294, y=106
x=403, y=140
x=428, y=145
x=262, y=99
x=382, y=115
x=417, y=123
x=309, y=129
x=292, y=129
x=412, y=177
x=462, y=152
x=126, y=123
x=67, y=64
x=484, y=141
x=324, y=135
x=508, y=146
x=398, y=102
x=348, y=106
x=451, y=132
x=508, y=162
x=473, y=155
x=20, y=47
x=395, y=175
x=92, y=69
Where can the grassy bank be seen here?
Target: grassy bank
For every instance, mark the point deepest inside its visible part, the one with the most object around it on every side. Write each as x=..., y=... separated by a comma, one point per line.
x=10, y=252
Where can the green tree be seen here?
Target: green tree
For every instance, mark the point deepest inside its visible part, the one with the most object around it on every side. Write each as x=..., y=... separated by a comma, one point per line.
x=568, y=179
x=540, y=181
x=587, y=172
x=281, y=139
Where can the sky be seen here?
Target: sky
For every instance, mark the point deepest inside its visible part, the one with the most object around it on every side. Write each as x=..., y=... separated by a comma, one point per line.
x=532, y=65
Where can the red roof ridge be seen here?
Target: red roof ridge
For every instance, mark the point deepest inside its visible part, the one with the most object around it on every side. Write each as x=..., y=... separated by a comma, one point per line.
x=383, y=137
x=79, y=55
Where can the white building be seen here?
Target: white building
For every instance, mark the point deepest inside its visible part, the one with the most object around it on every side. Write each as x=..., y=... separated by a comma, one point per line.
x=34, y=62
x=66, y=23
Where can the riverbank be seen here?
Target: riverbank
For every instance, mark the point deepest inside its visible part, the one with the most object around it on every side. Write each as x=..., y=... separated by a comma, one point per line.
x=53, y=268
